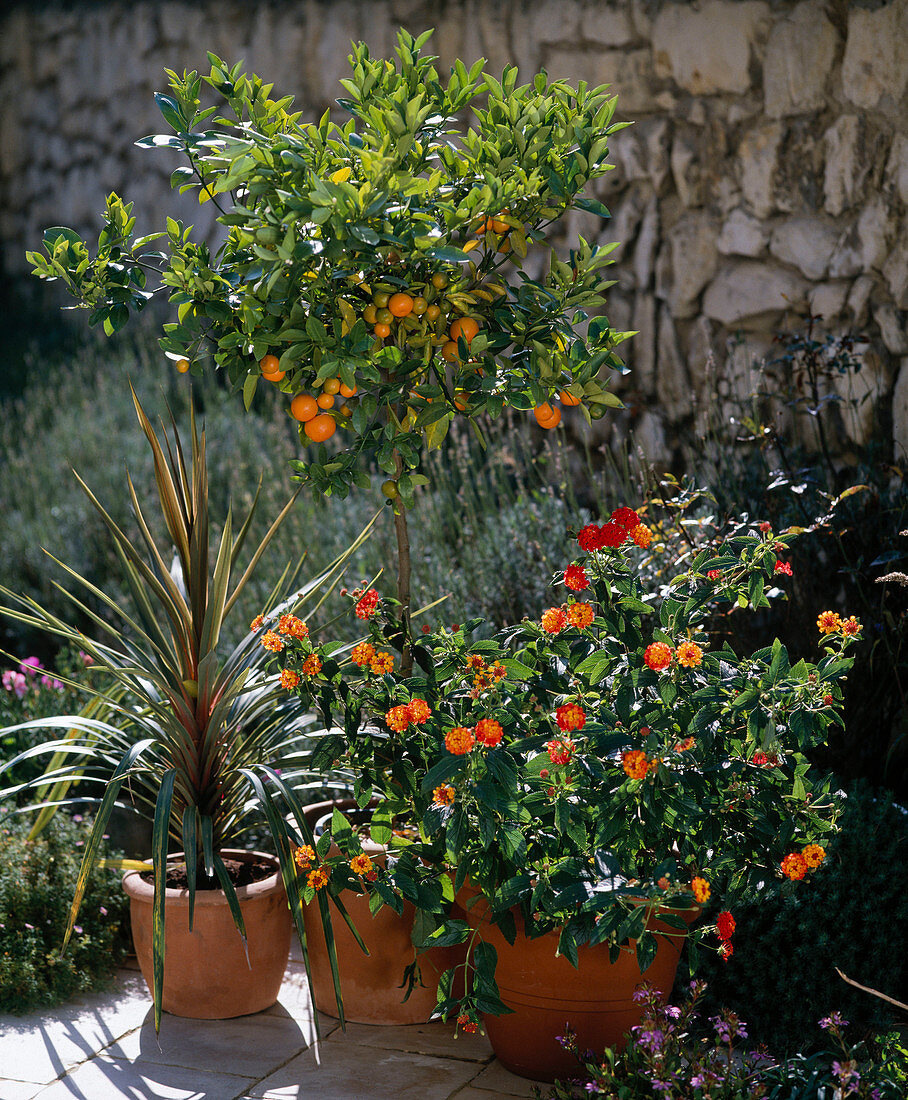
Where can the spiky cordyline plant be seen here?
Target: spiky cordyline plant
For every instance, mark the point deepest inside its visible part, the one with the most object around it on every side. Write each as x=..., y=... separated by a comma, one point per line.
x=197, y=734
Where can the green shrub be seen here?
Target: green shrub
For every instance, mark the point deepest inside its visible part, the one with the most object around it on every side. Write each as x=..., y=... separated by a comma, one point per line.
x=851, y=914
x=37, y=882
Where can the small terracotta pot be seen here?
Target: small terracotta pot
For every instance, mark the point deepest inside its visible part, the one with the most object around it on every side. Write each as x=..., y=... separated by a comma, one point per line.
x=371, y=984
x=548, y=995
x=206, y=975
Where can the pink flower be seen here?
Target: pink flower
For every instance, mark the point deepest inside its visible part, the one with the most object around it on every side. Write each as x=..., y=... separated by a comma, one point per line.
x=15, y=682
x=51, y=682
x=87, y=658
x=102, y=911
x=30, y=666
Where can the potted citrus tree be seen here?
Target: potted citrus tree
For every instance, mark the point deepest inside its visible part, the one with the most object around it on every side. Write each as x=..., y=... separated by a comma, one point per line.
x=383, y=273
x=196, y=730
x=583, y=784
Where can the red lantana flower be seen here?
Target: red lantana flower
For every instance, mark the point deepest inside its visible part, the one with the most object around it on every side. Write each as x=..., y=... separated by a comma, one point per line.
x=612, y=535
x=367, y=605
x=488, y=732
x=589, y=538
x=575, y=578
x=553, y=620
x=459, y=740
x=794, y=866
x=570, y=717
x=626, y=518
x=783, y=567
x=579, y=614
x=725, y=925
x=560, y=750
x=420, y=711
x=657, y=656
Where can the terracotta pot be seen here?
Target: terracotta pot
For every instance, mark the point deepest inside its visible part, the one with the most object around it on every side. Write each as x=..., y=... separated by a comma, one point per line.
x=371, y=984
x=206, y=975
x=548, y=995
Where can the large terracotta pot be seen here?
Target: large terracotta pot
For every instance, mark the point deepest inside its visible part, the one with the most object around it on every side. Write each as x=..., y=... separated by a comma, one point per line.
x=548, y=995
x=206, y=975
x=370, y=984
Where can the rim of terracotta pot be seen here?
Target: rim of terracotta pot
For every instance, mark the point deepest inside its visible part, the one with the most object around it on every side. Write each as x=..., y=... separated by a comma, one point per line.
x=136, y=887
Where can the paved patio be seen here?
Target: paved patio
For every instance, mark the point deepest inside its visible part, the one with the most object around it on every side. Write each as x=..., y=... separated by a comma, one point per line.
x=103, y=1046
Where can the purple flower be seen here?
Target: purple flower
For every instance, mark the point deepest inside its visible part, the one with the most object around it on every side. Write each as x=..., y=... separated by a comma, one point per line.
x=52, y=682
x=651, y=1039
x=77, y=928
x=102, y=911
x=30, y=927
x=30, y=666
x=662, y=1086
x=671, y=1011
x=833, y=1022
x=77, y=818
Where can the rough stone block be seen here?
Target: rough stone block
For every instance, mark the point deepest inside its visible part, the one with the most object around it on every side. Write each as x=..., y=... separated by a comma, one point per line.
x=827, y=300
x=758, y=154
x=675, y=396
x=647, y=242
x=900, y=413
x=895, y=270
x=629, y=72
x=859, y=297
x=867, y=243
x=874, y=68
x=807, y=243
x=641, y=152
x=608, y=24
x=555, y=21
x=861, y=392
x=845, y=163
x=694, y=259
x=746, y=289
x=893, y=325
x=799, y=59
x=644, y=345
x=707, y=50
x=742, y=235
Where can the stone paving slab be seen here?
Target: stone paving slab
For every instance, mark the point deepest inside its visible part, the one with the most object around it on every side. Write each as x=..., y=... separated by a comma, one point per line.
x=348, y=1071
x=103, y=1047
x=106, y=1078
x=247, y=1046
x=42, y=1046
x=437, y=1040
x=496, y=1079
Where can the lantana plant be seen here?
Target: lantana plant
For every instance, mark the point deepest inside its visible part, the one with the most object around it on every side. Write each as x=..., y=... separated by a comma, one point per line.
x=588, y=767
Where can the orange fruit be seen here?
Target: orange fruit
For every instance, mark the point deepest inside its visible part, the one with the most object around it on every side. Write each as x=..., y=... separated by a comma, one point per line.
x=384, y=316
x=381, y=299
x=433, y=312
x=303, y=407
x=449, y=352
x=275, y=378
x=461, y=401
x=381, y=331
x=439, y=281
x=546, y=416
x=325, y=401
x=499, y=226
x=400, y=304
x=332, y=385
x=320, y=428
x=347, y=391
x=465, y=327
x=505, y=247
x=568, y=398
x=182, y=365
x=346, y=411
x=369, y=315
x=420, y=305
x=269, y=364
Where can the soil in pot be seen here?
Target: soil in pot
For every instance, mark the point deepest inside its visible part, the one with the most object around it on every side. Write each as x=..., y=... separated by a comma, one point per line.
x=206, y=974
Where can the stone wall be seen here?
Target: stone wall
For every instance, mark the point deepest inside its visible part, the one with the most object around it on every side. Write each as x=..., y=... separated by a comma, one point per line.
x=766, y=173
